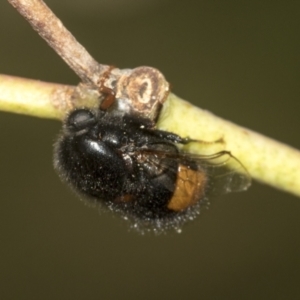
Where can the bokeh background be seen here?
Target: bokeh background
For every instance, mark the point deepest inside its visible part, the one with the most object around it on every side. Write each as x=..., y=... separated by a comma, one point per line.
x=238, y=59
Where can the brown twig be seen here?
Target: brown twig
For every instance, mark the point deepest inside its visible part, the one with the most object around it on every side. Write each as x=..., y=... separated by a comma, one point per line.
x=51, y=29
x=142, y=90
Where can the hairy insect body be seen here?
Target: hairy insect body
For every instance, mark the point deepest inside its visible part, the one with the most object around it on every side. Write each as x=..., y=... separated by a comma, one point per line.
x=136, y=170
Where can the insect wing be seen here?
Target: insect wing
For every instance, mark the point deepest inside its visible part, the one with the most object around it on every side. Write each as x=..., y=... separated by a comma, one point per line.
x=226, y=173
x=223, y=171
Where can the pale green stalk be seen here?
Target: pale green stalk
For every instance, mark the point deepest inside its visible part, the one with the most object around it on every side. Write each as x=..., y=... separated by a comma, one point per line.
x=266, y=160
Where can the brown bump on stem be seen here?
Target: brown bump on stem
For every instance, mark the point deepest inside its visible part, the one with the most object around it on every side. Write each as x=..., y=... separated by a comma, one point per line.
x=107, y=92
x=145, y=89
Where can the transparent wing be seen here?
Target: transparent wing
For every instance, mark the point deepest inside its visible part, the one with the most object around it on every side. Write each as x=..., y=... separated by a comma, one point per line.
x=223, y=171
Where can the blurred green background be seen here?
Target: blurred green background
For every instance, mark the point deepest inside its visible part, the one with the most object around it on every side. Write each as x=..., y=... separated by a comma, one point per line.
x=238, y=59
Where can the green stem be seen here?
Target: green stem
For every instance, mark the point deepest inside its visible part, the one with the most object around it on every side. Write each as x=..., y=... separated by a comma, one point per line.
x=266, y=160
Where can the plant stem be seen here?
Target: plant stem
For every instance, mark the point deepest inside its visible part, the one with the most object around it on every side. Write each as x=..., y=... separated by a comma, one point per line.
x=51, y=29
x=42, y=99
x=266, y=160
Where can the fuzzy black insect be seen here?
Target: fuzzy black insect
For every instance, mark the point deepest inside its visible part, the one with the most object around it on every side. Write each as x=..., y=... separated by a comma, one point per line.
x=123, y=162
